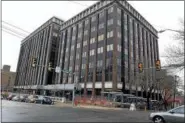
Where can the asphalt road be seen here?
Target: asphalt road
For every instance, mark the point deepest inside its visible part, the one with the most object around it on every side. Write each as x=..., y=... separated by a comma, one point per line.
x=26, y=112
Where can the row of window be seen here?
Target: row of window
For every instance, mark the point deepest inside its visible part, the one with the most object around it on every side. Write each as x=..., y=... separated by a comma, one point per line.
x=109, y=22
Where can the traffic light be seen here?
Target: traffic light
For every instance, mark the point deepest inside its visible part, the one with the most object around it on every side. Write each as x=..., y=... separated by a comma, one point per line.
x=34, y=62
x=50, y=66
x=140, y=66
x=75, y=90
x=158, y=65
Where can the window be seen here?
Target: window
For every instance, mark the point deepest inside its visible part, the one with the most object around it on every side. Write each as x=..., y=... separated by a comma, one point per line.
x=84, y=43
x=110, y=10
x=126, y=64
x=109, y=34
x=110, y=22
x=119, y=35
x=74, y=29
x=126, y=51
x=85, y=32
x=66, y=50
x=118, y=10
x=93, y=18
x=79, y=35
x=100, y=50
x=101, y=26
x=80, y=25
x=92, y=40
x=83, y=66
x=119, y=48
x=55, y=34
x=179, y=110
x=76, y=68
x=86, y=22
x=66, y=59
x=71, y=58
x=110, y=47
x=119, y=22
x=84, y=54
x=73, y=38
x=101, y=37
x=77, y=56
x=70, y=68
x=91, y=65
x=119, y=62
x=78, y=45
x=101, y=14
x=99, y=63
x=72, y=47
x=93, y=29
x=91, y=52
x=69, y=79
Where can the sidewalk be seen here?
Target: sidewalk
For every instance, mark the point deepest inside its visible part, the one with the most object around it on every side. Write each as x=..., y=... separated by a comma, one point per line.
x=60, y=104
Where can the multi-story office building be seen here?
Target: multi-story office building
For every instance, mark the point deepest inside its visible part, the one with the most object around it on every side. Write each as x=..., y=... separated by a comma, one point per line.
x=41, y=44
x=103, y=45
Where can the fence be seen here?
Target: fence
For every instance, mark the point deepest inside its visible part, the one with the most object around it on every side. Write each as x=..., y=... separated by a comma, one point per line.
x=87, y=100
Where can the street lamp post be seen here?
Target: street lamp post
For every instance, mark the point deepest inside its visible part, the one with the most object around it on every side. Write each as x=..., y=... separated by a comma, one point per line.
x=174, y=92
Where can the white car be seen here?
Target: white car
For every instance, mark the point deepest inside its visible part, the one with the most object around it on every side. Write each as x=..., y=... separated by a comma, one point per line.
x=175, y=115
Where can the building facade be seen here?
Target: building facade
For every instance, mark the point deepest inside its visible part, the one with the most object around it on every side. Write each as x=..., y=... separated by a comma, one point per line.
x=43, y=45
x=7, y=78
x=103, y=45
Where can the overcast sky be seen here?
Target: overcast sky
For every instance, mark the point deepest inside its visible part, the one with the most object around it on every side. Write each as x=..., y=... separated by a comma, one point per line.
x=29, y=15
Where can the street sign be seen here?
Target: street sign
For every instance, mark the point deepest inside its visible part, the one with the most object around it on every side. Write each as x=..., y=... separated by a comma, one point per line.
x=57, y=69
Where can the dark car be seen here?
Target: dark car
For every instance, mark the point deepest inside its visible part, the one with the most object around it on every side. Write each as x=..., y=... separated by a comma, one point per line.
x=44, y=100
x=23, y=98
x=10, y=97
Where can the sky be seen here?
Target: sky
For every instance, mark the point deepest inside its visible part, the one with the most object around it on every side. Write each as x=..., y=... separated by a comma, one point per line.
x=29, y=15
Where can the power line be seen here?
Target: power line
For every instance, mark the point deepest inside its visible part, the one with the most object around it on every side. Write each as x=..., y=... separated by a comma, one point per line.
x=14, y=31
x=11, y=33
x=15, y=26
x=79, y=3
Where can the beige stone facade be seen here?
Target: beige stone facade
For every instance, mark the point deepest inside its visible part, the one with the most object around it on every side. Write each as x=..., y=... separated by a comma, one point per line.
x=7, y=78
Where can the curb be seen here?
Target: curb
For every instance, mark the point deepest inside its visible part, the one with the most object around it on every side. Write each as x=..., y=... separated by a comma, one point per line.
x=97, y=107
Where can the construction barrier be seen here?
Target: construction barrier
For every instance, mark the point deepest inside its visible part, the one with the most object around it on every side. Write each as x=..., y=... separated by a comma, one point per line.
x=92, y=101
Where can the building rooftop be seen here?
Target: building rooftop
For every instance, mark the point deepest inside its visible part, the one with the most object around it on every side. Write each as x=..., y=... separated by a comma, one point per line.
x=53, y=19
x=98, y=5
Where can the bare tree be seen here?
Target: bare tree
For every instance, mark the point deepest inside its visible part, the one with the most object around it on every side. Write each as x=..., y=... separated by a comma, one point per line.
x=175, y=53
x=168, y=86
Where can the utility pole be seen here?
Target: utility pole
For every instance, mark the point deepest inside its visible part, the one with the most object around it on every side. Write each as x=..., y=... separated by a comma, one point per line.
x=73, y=98
x=174, y=91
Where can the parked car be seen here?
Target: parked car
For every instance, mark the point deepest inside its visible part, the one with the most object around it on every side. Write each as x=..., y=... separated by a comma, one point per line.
x=10, y=97
x=2, y=98
x=44, y=100
x=16, y=98
x=31, y=99
x=23, y=98
x=175, y=115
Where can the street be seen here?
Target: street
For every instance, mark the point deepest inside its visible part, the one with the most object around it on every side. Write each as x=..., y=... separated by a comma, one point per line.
x=27, y=112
